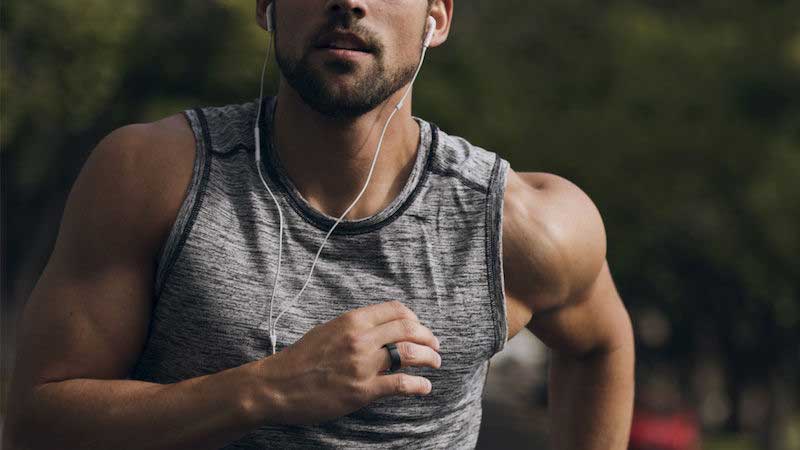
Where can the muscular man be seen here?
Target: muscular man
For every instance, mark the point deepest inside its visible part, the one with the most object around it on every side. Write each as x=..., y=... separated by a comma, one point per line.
x=150, y=326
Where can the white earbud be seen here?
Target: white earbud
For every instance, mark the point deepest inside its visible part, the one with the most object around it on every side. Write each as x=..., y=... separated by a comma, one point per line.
x=431, y=30
x=270, y=13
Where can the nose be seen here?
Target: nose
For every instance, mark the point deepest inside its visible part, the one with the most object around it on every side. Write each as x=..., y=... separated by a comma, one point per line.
x=348, y=8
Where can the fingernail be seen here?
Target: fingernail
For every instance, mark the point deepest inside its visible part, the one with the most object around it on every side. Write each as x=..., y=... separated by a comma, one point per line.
x=440, y=360
x=437, y=344
x=430, y=386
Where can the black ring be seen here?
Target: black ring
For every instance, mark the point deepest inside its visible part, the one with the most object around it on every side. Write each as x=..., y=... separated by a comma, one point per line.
x=395, y=355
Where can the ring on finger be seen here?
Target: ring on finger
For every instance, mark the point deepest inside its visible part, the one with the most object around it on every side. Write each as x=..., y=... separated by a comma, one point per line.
x=394, y=354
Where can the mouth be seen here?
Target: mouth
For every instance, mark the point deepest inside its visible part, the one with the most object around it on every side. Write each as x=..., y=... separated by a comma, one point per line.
x=344, y=44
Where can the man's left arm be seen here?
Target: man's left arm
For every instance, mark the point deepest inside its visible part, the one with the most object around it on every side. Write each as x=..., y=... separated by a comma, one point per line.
x=591, y=380
x=556, y=266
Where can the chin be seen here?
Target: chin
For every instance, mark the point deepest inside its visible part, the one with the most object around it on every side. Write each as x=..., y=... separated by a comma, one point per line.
x=338, y=89
x=340, y=67
x=339, y=105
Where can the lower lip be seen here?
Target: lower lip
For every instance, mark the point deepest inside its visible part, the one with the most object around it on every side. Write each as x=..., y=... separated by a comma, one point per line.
x=344, y=54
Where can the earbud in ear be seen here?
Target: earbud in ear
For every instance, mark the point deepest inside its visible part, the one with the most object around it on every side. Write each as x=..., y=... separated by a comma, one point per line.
x=270, y=13
x=431, y=29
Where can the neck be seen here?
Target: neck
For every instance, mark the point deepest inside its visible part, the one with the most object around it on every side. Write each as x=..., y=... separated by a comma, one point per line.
x=328, y=159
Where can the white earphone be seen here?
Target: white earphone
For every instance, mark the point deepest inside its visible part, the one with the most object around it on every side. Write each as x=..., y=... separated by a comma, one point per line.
x=430, y=30
x=270, y=13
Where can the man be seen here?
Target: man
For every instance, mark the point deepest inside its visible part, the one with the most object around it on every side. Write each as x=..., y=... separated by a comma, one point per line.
x=150, y=326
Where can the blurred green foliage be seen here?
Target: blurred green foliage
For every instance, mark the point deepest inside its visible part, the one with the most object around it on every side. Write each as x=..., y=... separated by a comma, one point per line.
x=680, y=119
x=737, y=442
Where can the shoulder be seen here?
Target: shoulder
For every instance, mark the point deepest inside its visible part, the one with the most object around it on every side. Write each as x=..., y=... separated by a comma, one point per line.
x=148, y=139
x=554, y=240
x=144, y=159
x=140, y=145
x=456, y=157
x=132, y=184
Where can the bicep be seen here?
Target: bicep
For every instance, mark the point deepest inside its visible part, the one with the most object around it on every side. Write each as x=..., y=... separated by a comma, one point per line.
x=88, y=314
x=83, y=325
x=594, y=320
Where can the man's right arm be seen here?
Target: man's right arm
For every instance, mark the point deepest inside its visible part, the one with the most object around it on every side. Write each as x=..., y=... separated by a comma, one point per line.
x=86, y=320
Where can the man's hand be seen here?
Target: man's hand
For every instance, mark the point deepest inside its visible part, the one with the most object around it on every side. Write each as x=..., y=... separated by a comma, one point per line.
x=336, y=368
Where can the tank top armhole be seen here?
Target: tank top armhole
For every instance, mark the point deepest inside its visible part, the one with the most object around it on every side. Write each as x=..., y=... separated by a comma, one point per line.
x=494, y=250
x=190, y=205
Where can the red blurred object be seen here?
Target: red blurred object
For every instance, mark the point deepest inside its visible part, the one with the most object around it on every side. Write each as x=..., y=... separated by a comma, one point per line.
x=665, y=431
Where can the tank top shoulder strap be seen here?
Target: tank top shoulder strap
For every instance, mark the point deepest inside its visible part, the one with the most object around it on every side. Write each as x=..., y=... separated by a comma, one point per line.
x=219, y=132
x=496, y=188
x=191, y=202
x=484, y=173
x=230, y=127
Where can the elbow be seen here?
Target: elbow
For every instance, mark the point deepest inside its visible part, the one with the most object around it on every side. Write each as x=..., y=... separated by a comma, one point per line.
x=621, y=338
x=619, y=344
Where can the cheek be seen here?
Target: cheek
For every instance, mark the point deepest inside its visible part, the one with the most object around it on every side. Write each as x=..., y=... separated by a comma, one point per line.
x=412, y=33
x=291, y=44
x=406, y=19
x=408, y=48
x=295, y=27
x=405, y=43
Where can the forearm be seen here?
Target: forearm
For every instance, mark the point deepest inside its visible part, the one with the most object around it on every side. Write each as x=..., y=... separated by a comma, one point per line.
x=199, y=413
x=591, y=399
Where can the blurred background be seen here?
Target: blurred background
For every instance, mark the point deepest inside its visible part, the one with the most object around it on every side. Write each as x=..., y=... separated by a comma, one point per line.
x=681, y=120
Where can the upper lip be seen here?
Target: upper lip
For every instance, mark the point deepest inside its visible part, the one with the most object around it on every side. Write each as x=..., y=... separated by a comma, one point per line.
x=348, y=41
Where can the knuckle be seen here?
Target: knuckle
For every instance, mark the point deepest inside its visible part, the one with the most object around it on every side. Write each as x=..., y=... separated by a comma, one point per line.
x=349, y=319
x=408, y=352
x=410, y=327
x=397, y=305
x=358, y=391
x=402, y=384
x=352, y=341
x=403, y=310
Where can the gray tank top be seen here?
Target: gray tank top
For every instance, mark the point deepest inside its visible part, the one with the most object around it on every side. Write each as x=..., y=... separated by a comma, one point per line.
x=436, y=248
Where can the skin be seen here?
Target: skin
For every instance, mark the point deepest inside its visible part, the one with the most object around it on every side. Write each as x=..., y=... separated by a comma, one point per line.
x=86, y=321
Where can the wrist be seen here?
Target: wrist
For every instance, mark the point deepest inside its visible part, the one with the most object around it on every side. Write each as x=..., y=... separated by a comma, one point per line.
x=259, y=400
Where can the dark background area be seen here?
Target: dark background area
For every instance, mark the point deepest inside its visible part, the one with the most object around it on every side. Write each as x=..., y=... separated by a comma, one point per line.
x=681, y=120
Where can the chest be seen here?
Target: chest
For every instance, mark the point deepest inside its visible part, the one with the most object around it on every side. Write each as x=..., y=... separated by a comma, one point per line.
x=217, y=301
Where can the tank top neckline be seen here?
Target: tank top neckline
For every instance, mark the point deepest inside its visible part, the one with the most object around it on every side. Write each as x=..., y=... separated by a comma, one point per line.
x=279, y=176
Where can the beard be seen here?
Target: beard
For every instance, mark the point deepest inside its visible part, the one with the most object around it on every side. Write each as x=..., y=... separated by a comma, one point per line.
x=372, y=87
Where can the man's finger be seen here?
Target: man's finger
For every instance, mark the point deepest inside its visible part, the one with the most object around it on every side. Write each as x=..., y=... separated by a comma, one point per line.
x=411, y=354
x=401, y=384
x=374, y=315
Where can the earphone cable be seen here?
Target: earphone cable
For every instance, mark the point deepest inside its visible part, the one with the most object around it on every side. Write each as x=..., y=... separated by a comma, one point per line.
x=257, y=133
x=397, y=108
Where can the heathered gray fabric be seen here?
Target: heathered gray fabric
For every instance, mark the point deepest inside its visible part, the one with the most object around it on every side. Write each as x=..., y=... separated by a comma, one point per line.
x=436, y=248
